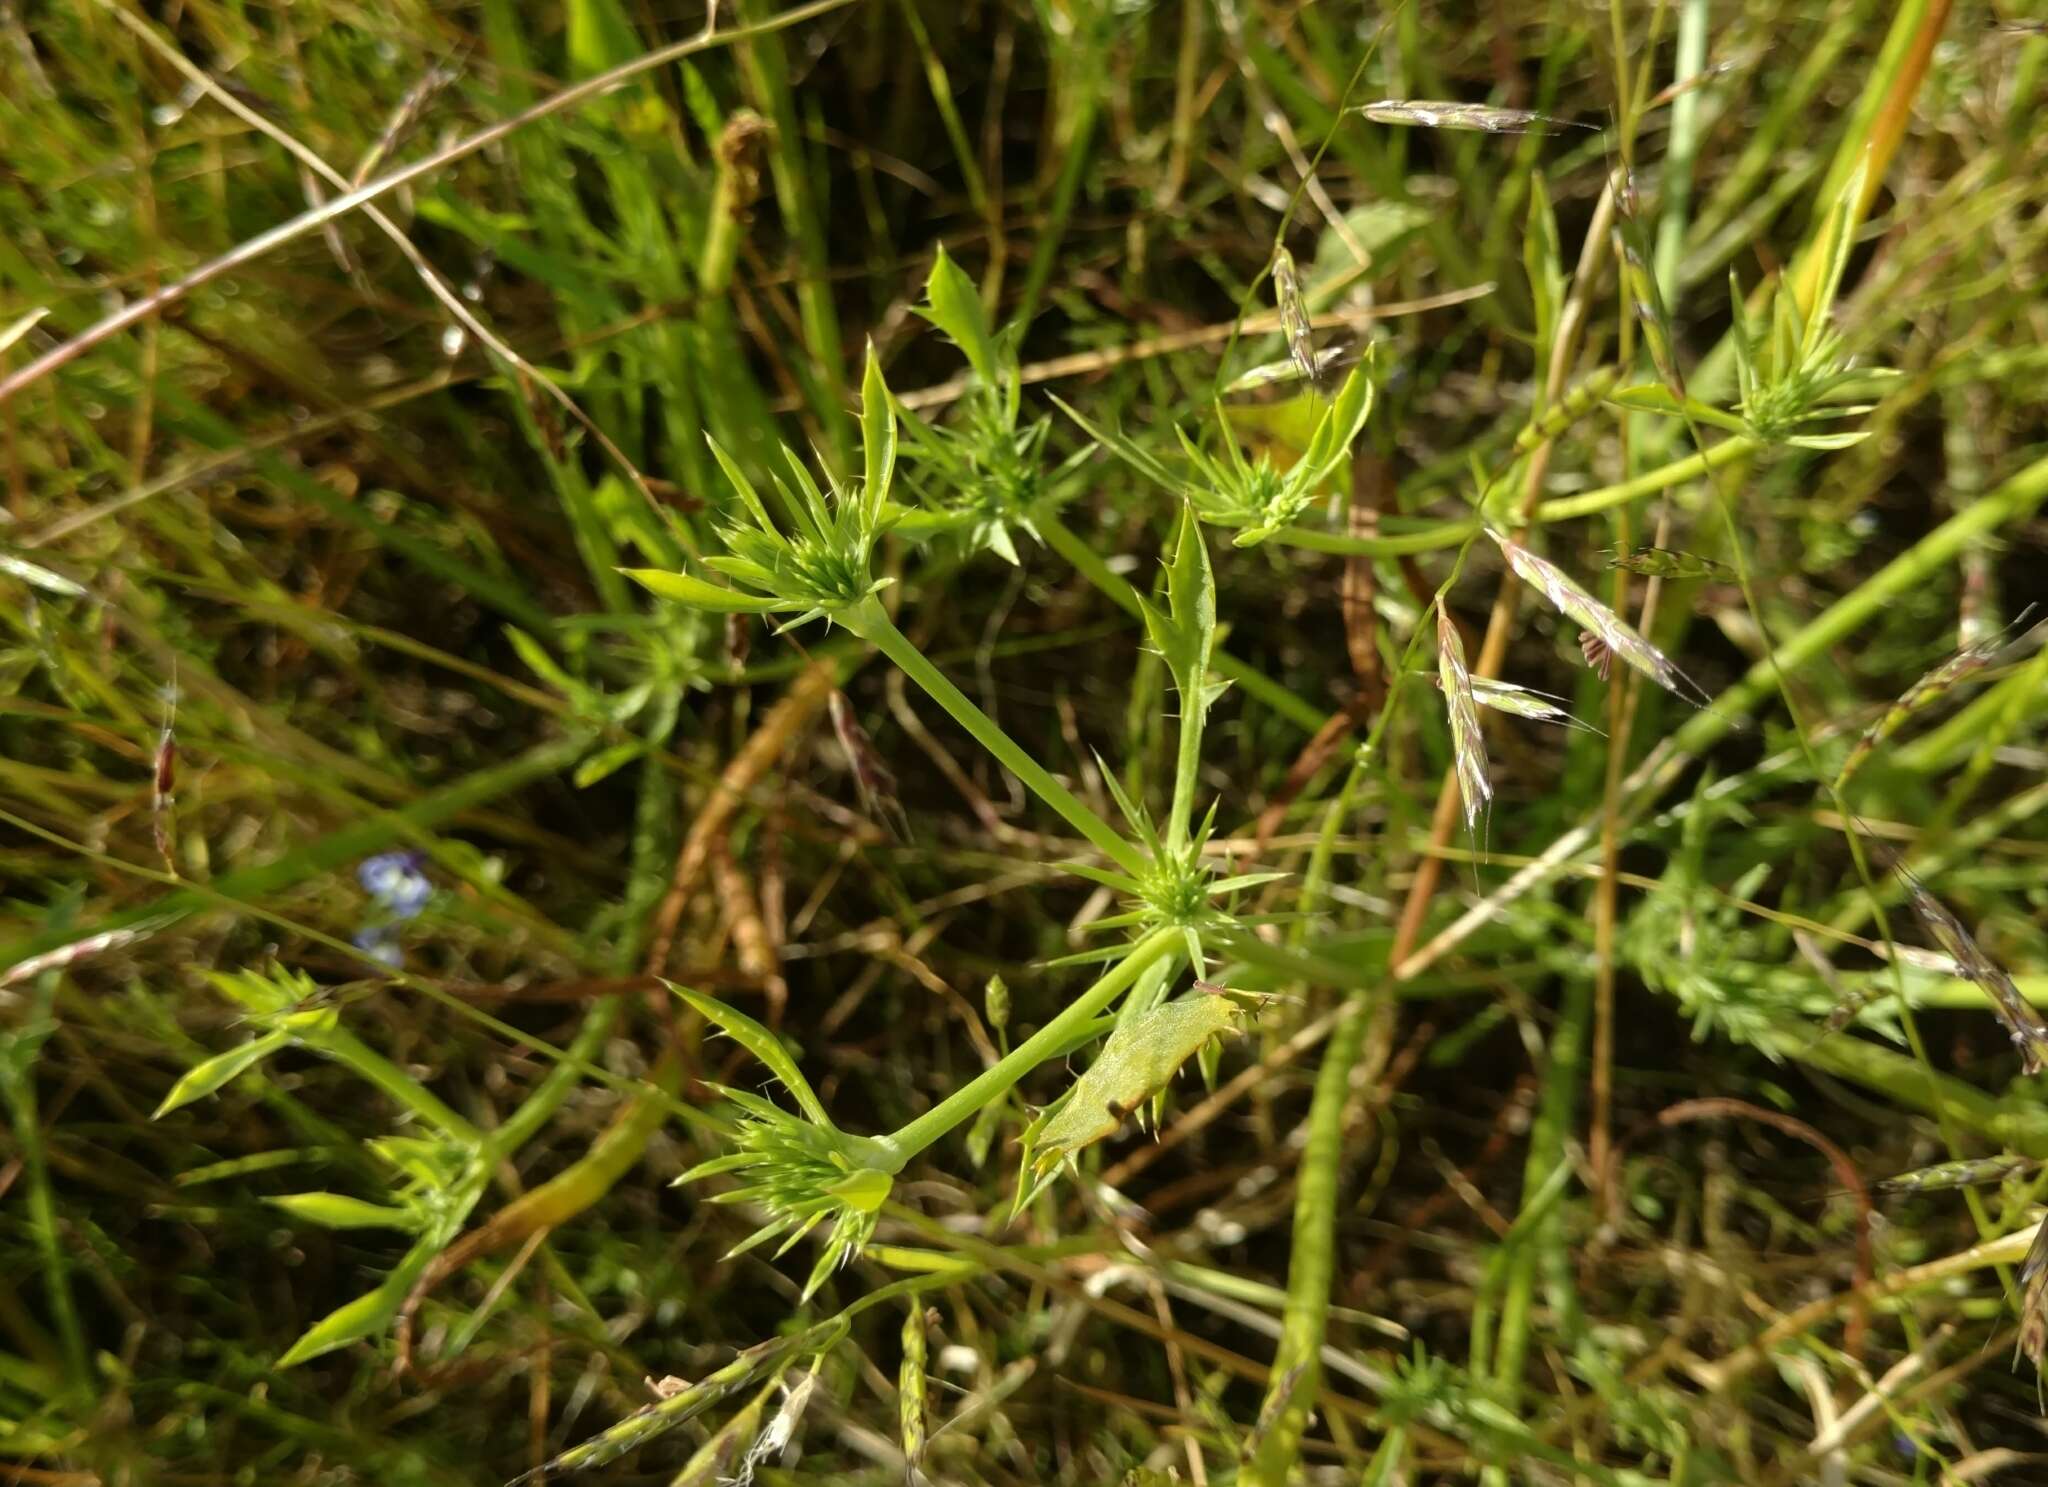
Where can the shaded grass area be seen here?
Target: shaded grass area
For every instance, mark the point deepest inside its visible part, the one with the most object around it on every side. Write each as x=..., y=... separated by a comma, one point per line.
x=356, y=800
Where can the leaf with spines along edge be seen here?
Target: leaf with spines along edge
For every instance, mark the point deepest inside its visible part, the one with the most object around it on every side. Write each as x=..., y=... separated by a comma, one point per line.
x=1185, y=635
x=1231, y=491
x=762, y=1044
x=1139, y=1060
x=954, y=305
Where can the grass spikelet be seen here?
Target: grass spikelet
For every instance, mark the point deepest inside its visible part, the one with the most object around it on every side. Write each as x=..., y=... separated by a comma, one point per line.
x=1525, y=702
x=1468, y=747
x=1294, y=321
x=1614, y=634
x=2029, y=1032
x=911, y=1403
x=1641, y=281
x=1963, y=1174
x=1924, y=693
x=1420, y=113
x=1664, y=562
x=78, y=950
x=2034, y=1298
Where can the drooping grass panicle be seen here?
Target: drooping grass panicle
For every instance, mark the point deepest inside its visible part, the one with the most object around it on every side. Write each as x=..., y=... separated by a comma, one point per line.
x=1468, y=744
x=1616, y=636
x=2025, y=1025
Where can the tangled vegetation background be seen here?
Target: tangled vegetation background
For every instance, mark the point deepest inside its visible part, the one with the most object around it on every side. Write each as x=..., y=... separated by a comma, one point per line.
x=1460, y=574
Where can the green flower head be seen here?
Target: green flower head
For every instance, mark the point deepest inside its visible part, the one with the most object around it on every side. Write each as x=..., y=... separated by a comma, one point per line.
x=821, y=567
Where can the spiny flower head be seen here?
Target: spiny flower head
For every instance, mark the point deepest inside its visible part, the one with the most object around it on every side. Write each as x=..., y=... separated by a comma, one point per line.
x=821, y=568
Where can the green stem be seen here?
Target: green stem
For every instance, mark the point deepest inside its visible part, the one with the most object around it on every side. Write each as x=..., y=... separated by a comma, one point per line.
x=1312, y=1264
x=1063, y=540
x=875, y=627
x=1001, y=1076
x=1692, y=467
x=1400, y=544
x=1186, y=767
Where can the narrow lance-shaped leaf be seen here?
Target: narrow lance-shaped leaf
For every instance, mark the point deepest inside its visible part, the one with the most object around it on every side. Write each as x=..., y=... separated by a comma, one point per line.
x=339, y=1211
x=1468, y=745
x=697, y=593
x=1613, y=632
x=204, y=1078
x=877, y=436
x=1424, y=113
x=763, y=1045
x=2028, y=1031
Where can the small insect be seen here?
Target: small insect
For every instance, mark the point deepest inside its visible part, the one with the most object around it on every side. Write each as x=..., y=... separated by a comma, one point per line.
x=2021, y=28
x=1425, y=114
x=1663, y=562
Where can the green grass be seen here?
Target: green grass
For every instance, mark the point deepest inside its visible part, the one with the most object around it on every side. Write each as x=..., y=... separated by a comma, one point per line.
x=826, y=512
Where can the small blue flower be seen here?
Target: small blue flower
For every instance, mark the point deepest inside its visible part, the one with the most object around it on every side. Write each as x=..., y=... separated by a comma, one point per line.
x=381, y=945
x=395, y=881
